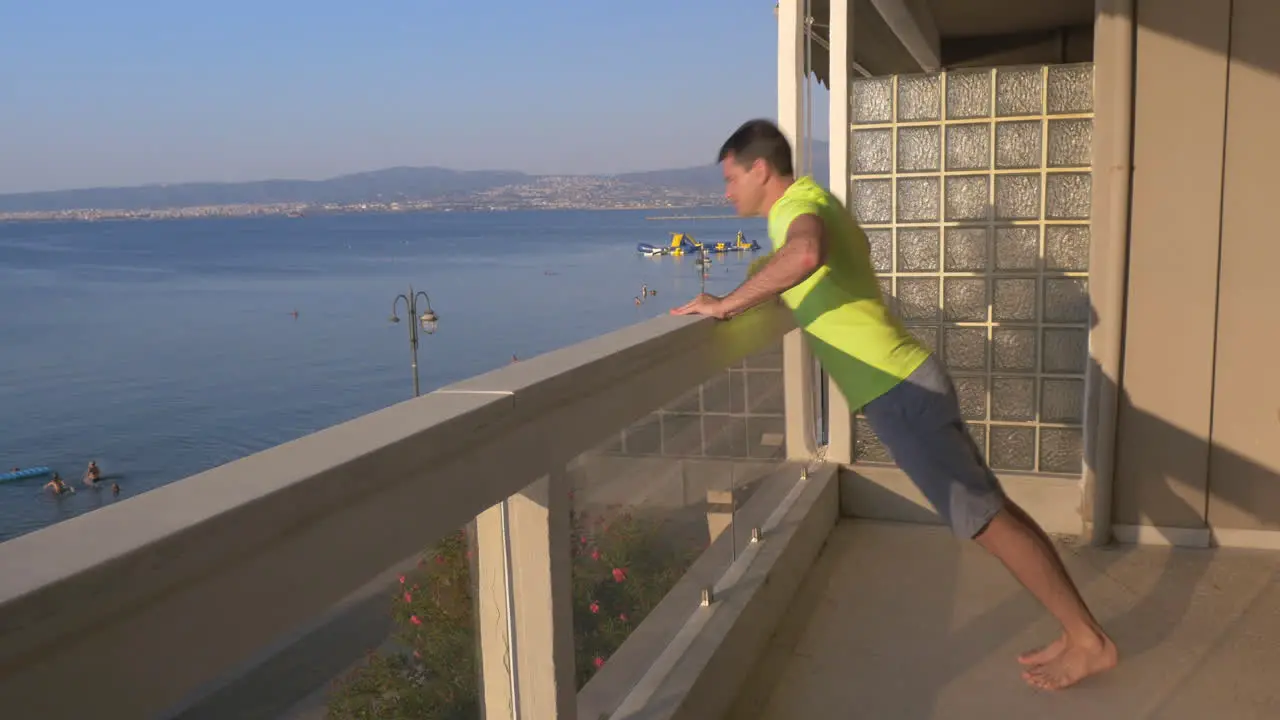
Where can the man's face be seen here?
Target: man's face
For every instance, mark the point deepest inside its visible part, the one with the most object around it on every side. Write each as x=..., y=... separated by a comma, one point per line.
x=744, y=186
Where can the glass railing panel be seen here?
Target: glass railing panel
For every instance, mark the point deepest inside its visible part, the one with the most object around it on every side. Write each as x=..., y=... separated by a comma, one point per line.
x=658, y=512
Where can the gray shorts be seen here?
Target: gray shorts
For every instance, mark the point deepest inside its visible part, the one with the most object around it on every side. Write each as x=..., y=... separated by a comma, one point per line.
x=920, y=424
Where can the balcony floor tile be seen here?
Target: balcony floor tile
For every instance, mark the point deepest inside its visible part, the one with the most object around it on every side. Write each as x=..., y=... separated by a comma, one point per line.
x=901, y=621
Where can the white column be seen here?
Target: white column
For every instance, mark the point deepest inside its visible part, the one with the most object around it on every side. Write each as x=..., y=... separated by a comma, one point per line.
x=839, y=415
x=1109, y=257
x=797, y=361
x=791, y=75
x=525, y=565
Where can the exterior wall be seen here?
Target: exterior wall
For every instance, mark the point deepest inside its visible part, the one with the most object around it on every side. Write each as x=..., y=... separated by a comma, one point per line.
x=974, y=187
x=1162, y=456
x=1244, y=465
x=1193, y=458
x=1197, y=455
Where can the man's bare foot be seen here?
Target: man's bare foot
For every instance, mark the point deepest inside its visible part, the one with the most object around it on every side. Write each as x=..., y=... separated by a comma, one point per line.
x=1042, y=655
x=1076, y=661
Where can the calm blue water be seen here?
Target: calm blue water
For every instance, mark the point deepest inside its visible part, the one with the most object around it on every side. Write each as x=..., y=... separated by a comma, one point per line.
x=161, y=349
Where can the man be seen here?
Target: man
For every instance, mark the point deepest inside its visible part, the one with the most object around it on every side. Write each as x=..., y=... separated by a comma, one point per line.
x=93, y=474
x=57, y=485
x=821, y=268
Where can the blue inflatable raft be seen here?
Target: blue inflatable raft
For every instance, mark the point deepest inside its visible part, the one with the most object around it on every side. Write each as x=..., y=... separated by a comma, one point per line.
x=24, y=473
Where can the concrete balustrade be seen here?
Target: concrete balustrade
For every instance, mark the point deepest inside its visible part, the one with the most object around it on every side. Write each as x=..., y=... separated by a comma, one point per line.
x=144, y=606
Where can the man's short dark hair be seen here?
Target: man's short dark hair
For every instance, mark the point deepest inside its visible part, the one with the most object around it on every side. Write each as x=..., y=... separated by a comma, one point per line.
x=759, y=140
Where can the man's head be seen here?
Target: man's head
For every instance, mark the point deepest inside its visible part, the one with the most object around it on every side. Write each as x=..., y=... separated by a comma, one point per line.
x=756, y=160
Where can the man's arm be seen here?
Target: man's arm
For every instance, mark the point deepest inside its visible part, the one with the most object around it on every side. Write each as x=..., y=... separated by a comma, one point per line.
x=800, y=256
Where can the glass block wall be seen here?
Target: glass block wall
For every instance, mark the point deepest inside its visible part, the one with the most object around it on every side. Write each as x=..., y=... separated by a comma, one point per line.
x=974, y=187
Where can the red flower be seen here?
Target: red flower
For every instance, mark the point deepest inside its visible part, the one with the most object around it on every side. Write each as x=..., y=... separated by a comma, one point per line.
x=417, y=654
x=414, y=619
x=583, y=539
x=622, y=617
x=401, y=579
x=619, y=574
x=595, y=554
x=599, y=661
x=595, y=608
x=439, y=559
x=408, y=598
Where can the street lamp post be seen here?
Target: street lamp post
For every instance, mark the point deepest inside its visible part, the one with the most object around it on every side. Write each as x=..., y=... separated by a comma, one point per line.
x=703, y=263
x=427, y=321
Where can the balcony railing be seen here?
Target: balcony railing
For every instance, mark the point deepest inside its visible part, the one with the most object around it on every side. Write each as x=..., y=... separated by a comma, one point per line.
x=142, y=608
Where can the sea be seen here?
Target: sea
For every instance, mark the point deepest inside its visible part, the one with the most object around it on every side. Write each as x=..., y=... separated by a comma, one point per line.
x=160, y=349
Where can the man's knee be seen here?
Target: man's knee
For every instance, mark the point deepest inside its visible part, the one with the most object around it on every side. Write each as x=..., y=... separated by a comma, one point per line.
x=972, y=514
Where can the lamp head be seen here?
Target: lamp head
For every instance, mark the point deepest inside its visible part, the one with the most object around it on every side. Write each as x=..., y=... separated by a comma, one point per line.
x=429, y=321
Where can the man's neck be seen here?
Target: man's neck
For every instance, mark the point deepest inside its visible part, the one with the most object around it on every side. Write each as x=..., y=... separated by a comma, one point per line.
x=775, y=190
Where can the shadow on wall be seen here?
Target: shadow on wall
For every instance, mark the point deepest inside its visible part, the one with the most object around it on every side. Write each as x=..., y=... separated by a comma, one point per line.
x=1205, y=26
x=1034, y=290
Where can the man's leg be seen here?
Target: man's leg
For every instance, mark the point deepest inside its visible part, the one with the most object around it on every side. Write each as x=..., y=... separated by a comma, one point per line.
x=920, y=422
x=1039, y=655
x=1083, y=648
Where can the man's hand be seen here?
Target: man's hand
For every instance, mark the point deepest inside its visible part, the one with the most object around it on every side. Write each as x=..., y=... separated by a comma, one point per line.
x=704, y=304
x=801, y=255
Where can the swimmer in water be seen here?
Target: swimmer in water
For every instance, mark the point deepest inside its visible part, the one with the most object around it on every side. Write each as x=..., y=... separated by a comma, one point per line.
x=57, y=485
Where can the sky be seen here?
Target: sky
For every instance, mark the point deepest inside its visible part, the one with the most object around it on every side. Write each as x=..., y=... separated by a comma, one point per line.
x=107, y=94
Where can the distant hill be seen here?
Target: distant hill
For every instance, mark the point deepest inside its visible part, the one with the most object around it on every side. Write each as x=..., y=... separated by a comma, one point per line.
x=708, y=178
x=384, y=185
x=389, y=185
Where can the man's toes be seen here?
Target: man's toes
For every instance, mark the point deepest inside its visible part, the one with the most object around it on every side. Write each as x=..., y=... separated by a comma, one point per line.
x=1041, y=677
x=1031, y=657
x=1041, y=655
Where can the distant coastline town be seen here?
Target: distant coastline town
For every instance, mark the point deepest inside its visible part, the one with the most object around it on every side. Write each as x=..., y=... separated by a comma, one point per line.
x=536, y=193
